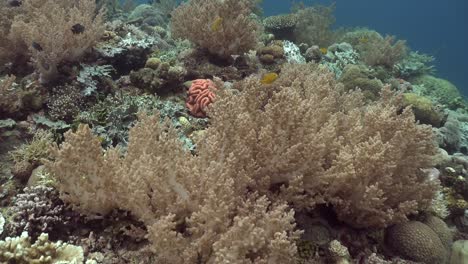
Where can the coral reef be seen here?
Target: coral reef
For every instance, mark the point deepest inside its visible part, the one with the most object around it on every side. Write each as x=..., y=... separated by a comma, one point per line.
x=284, y=121
x=459, y=252
x=201, y=131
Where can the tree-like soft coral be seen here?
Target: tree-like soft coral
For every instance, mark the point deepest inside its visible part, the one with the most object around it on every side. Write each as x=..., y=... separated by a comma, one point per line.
x=303, y=130
x=56, y=31
x=376, y=50
x=299, y=141
x=223, y=28
x=314, y=25
x=192, y=208
x=8, y=49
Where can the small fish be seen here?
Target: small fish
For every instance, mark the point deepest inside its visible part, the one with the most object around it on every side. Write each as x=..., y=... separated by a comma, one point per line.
x=14, y=3
x=269, y=78
x=36, y=46
x=363, y=40
x=324, y=50
x=77, y=29
x=216, y=25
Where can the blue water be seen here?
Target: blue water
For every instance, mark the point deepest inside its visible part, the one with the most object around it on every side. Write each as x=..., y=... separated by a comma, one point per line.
x=438, y=28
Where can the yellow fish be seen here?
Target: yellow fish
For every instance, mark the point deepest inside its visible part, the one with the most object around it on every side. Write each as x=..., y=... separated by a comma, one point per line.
x=364, y=40
x=324, y=50
x=269, y=78
x=216, y=25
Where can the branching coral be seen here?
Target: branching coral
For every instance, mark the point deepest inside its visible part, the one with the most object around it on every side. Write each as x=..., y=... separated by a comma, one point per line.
x=57, y=31
x=376, y=50
x=38, y=210
x=10, y=102
x=212, y=25
x=314, y=25
x=20, y=250
x=8, y=48
x=192, y=208
x=303, y=130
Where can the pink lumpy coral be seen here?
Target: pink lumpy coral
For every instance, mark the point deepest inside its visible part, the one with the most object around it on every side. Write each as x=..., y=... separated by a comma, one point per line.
x=200, y=95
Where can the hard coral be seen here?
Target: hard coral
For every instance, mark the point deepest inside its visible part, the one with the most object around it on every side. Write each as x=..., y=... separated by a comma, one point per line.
x=423, y=242
x=21, y=250
x=200, y=95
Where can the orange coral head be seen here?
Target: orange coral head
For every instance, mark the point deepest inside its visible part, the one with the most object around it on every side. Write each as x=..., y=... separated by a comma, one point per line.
x=200, y=95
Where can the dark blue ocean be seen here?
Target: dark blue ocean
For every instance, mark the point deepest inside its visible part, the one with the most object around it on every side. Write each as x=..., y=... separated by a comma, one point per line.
x=438, y=28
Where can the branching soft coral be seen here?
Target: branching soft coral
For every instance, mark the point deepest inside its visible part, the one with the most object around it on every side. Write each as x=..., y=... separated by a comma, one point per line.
x=299, y=141
x=57, y=31
x=223, y=27
x=305, y=132
x=191, y=206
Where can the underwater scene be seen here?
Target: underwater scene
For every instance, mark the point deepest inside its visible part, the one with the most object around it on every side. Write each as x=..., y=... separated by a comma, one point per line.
x=233, y=131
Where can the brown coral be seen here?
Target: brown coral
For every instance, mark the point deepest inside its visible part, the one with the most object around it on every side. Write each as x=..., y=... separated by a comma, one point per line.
x=212, y=25
x=305, y=131
x=416, y=241
x=193, y=210
x=45, y=27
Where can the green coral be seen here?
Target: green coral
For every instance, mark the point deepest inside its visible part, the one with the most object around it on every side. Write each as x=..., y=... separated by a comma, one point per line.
x=28, y=156
x=424, y=109
x=359, y=76
x=20, y=250
x=440, y=90
x=459, y=252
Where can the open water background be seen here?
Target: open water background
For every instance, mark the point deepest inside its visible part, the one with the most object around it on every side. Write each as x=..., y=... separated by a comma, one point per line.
x=435, y=27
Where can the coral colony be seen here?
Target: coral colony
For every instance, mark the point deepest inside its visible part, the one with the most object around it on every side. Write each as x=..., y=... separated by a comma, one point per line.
x=205, y=132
